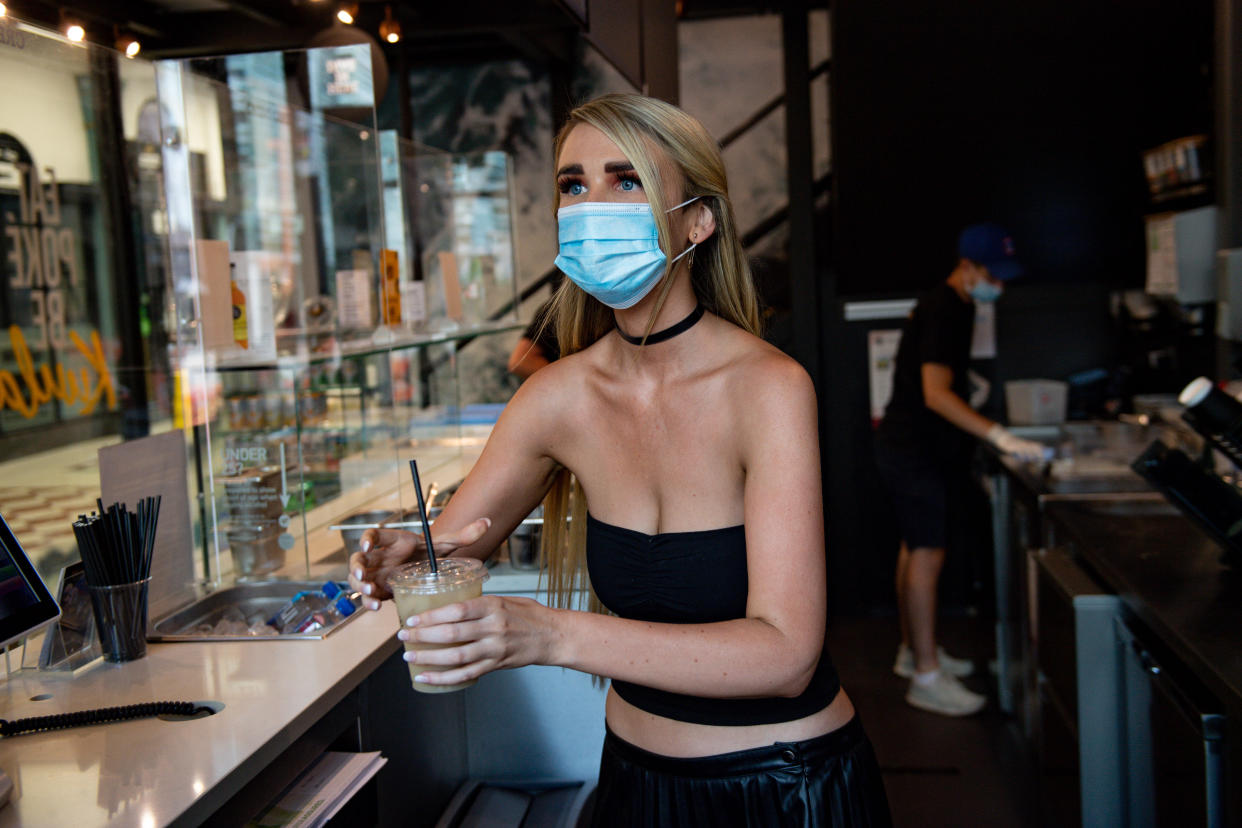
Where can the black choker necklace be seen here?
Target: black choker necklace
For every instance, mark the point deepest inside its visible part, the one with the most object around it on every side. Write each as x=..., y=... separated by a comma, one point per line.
x=669, y=332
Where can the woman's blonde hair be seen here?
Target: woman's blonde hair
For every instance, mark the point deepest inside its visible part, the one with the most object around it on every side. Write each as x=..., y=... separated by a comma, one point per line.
x=642, y=128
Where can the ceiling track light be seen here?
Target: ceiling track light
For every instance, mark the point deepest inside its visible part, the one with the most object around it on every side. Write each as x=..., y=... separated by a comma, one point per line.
x=390, y=28
x=126, y=43
x=72, y=27
x=347, y=13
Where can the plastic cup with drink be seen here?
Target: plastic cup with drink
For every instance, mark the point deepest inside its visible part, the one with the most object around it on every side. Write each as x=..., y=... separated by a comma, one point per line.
x=416, y=588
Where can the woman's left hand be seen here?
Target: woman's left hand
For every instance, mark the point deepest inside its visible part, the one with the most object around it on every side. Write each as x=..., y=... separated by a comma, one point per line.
x=493, y=632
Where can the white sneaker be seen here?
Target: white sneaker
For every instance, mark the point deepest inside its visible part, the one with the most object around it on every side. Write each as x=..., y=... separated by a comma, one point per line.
x=903, y=665
x=945, y=695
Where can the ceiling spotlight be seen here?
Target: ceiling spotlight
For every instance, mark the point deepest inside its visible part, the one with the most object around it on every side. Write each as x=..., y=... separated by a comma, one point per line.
x=72, y=27
x=126, y=44
x=347, y=13
x=3, y=10
x=390, y=28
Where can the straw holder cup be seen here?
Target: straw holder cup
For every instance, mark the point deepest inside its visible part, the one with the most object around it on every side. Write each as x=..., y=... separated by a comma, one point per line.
x=121, y=619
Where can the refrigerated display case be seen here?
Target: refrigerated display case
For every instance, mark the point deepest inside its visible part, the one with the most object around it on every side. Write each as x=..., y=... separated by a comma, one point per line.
x=327, y=280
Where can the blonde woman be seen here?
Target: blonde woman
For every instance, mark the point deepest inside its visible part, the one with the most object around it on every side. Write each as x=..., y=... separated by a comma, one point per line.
x=687, y=450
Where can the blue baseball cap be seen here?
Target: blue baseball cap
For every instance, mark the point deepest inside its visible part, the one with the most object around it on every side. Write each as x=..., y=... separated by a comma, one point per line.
x=990, y=245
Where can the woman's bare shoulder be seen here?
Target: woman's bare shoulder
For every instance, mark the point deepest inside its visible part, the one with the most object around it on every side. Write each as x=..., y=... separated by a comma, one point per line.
x=762, y=370
x=552, y=394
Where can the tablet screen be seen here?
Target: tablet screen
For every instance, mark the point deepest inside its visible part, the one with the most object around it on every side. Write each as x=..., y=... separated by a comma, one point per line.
x=25, y=604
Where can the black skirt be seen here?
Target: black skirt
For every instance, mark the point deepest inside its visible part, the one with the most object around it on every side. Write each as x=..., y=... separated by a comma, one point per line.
x=831, y=780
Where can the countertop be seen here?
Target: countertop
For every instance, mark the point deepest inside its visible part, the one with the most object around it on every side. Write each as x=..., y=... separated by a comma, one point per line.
x=1060, y=480
x=1170, y=574
x=150, y=772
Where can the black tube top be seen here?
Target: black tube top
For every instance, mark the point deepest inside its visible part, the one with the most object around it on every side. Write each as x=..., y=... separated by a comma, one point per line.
x=689, y=578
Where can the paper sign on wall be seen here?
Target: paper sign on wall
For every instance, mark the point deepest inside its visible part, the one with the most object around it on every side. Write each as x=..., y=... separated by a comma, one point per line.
x=353, y=298
x=983, y=339
x=214, y=301
x=255, y=272
x=414, y=303
x=452, y=285
x=1161, y=256
x=881, y=363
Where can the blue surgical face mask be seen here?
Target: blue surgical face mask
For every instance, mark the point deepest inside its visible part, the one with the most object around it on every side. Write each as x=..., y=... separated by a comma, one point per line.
x=984, y=291
x=612, y=250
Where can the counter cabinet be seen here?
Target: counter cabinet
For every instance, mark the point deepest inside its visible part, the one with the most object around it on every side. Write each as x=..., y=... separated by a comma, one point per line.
x=283, y=703
x=1074, y=570
x=1157, y=663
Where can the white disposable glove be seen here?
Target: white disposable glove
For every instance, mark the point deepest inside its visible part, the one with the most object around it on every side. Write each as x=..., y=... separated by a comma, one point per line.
x=1009, y=443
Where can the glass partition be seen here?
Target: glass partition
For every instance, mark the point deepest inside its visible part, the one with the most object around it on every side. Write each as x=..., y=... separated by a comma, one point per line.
x=83, y=271
x=323, y=296
x=228, y=248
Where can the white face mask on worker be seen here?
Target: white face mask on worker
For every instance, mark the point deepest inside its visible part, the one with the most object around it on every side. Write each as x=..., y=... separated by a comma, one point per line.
x=984, y=291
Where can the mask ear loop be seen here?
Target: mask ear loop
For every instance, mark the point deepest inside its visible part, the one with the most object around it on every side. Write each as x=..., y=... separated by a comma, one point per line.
x=693, y=244
x=683, y=204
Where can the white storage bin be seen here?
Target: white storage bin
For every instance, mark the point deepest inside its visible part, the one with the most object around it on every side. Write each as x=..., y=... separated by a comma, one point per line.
x=1036, y=401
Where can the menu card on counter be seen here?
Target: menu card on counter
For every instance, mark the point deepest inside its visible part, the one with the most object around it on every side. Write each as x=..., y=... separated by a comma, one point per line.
x=147, y=467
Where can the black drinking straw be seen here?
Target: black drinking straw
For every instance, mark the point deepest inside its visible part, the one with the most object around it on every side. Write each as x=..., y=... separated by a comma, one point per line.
x=117, y=545
x=422, y=514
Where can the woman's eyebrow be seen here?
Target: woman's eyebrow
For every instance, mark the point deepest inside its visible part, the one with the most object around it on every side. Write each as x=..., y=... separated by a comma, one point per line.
x=610, y=167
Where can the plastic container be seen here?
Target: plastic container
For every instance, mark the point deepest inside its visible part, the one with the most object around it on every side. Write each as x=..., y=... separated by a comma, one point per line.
x=352, y=537
x=416, y=588
x=1036, y=401
x=256, y=549
x=524, y=543
x=121, y=619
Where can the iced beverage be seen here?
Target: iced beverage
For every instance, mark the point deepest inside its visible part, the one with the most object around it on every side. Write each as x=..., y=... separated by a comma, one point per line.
x=416, y=589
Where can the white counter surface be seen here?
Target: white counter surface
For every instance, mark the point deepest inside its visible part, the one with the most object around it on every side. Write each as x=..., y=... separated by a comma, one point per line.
x=150, y=772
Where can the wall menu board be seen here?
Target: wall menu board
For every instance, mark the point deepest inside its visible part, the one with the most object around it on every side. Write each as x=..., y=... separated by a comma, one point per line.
x=56, y=324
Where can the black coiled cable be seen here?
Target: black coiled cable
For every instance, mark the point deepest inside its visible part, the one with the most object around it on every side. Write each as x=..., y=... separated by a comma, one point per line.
x=103, y=714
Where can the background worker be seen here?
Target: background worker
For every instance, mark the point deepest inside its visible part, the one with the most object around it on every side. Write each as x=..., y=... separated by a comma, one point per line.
x=923, y=448
x=536, y=347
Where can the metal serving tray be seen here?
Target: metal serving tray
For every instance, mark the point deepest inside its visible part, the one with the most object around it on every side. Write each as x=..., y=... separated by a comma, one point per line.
x=254, y=600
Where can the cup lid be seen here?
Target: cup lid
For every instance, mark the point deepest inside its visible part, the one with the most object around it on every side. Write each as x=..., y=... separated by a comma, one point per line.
x=451, y=572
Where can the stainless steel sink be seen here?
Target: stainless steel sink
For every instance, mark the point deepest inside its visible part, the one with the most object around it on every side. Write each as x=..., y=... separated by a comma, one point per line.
x=250, y=602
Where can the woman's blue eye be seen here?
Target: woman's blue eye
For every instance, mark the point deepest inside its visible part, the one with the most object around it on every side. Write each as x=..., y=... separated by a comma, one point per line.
x=577, y=188
x=629, y=184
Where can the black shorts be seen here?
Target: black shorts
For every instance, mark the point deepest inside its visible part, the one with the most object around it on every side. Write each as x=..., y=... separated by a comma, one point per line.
x=924, y=490
x=831, y=780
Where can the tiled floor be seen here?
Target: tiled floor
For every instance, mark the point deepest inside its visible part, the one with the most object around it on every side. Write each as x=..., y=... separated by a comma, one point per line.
x=42, y=494
x=939, y=772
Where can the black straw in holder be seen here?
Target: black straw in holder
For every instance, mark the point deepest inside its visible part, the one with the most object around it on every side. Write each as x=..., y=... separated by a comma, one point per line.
x=422, y=514
x=116, y=544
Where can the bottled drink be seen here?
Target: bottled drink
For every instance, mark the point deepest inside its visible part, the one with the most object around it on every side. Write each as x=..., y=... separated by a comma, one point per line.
x=313, y=610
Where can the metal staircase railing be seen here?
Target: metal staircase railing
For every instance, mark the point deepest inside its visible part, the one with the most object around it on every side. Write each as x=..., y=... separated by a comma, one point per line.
x=749, y=239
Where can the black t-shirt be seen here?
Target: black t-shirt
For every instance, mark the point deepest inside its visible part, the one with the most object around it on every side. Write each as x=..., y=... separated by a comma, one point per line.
x=939, y=330
x=542, y=332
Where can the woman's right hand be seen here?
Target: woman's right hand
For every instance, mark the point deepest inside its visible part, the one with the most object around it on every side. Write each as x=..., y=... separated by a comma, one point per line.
x=382, y=550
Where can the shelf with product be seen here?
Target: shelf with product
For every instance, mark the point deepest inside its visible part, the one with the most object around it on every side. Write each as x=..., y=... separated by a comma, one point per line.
x=330, y=294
